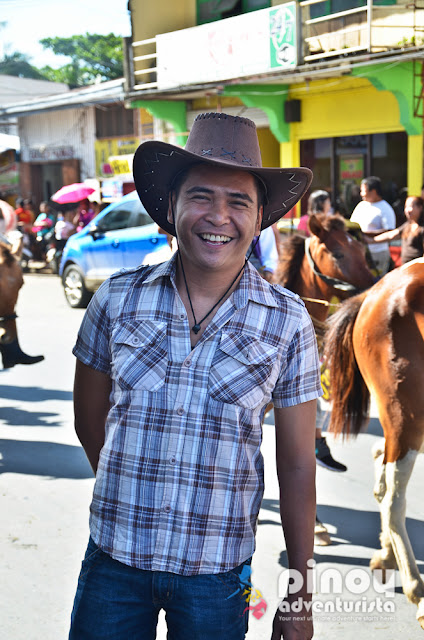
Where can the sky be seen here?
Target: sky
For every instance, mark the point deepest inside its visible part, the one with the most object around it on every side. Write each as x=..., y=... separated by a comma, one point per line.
x=28, y=21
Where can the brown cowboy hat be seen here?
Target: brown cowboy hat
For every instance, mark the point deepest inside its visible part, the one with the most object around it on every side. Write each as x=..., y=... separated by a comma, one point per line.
x=215, y=139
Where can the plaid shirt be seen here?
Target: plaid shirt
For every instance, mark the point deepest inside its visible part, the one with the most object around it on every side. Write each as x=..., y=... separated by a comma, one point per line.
x=180, y=476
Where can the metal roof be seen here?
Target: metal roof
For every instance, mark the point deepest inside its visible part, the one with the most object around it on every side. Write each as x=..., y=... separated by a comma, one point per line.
x=110, y=91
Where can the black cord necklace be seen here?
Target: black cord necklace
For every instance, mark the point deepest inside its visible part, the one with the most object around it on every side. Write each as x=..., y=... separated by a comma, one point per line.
x=197, y=324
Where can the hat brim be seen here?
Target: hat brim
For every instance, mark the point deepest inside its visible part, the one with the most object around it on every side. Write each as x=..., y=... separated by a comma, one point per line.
x=157, y=163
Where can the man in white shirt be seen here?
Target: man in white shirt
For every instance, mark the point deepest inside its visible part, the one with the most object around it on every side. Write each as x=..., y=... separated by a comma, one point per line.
x=375, y=214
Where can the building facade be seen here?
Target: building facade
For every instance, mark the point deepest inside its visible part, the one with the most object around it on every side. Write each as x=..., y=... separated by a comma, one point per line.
x=335, y=85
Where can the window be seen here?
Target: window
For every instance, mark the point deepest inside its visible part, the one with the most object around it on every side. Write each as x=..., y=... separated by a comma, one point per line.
x=128, y=214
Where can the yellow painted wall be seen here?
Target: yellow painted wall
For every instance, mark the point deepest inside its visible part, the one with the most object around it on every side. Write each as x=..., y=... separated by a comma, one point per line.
x=415, y=163
x=344, y=107
x=270, y=149
x=161, y=16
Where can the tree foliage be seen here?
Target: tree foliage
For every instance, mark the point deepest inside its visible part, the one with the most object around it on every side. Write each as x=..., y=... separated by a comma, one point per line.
x=93, y=57
x=18, y=64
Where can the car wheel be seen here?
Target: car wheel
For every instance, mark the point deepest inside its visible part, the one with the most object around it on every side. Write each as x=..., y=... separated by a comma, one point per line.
x=76, y=293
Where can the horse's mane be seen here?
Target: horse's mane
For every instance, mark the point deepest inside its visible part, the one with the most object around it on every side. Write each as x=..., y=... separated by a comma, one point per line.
x=6, y=255
x=293, y=250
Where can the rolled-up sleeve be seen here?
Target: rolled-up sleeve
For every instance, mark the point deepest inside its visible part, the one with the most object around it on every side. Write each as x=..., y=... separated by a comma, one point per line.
x=92, y=346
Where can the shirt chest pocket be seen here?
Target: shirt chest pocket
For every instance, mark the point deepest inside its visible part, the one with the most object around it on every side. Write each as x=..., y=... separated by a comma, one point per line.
x=243, y=371
x=139, y=354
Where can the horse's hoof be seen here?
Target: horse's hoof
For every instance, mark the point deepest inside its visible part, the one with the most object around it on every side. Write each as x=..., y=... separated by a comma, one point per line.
x=378, y=562
x=322, y=539
x=321, y=536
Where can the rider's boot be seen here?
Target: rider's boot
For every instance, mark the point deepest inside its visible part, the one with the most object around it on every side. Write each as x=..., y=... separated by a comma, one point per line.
x=12, y=354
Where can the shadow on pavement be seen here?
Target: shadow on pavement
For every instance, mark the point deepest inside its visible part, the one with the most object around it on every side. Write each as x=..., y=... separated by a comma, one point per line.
x=32, y=394
x=44, y=459
x=19, y=418
x=354, y=527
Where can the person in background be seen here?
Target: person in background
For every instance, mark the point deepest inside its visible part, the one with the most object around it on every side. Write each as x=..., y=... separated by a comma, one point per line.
x=25, y=216
x=375, y=215
x=399, y=206
x=411, y=232
x=263, y=253
x=45, y=220
x=319, y=202
x=84, y=214
x=64, y=228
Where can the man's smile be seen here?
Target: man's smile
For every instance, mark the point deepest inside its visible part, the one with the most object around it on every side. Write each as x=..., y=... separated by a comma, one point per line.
x=215, y=238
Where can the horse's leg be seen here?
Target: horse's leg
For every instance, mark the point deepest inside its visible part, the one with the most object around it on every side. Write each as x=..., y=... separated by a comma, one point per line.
x=393, y=508
x=383, y=558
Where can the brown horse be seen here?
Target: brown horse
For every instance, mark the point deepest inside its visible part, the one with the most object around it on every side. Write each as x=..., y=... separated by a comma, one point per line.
x=375, y=344
x=328, y=266
x=322, y=269
x=11, y=281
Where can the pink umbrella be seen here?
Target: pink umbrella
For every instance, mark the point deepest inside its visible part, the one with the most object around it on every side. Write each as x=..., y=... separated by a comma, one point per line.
x=72, y=193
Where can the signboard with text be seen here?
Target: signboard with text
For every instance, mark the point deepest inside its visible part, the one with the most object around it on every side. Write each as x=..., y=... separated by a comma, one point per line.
x=253, y=43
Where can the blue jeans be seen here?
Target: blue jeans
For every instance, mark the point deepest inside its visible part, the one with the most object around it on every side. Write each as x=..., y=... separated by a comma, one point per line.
x=116, y=602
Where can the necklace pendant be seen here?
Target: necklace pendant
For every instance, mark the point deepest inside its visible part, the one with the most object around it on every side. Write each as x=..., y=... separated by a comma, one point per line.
x=196, y=328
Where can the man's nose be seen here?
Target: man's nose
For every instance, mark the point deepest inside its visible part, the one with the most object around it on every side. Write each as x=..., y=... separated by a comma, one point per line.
x=219, y=212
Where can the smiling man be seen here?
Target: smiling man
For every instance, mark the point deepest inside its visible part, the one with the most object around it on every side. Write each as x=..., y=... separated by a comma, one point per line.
x=176, y=364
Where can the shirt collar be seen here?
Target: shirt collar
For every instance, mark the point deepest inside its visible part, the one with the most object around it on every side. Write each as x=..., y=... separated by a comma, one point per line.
x=251, y=286
x=162, y=270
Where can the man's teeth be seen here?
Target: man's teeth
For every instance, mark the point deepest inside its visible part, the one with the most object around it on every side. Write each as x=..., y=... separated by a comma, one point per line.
x=213, y=238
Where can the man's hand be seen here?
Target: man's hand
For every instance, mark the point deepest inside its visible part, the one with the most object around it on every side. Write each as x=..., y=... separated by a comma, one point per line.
x=291, y=625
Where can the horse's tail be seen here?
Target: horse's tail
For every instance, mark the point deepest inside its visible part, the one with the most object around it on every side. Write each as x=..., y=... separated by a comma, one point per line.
x=349, y=393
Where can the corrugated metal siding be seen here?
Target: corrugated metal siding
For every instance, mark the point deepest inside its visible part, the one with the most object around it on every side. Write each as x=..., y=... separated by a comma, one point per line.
x=74, y=128
x=258, y=116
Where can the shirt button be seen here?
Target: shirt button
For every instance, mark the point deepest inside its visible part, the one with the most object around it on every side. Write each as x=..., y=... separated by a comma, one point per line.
x=167, y=508
x=182, y=316
x=187, y=362
x=135, y=340
x=172, y=460
x=180, y=411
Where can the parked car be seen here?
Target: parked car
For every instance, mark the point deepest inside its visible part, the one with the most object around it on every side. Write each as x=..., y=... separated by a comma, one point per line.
x=122, y=235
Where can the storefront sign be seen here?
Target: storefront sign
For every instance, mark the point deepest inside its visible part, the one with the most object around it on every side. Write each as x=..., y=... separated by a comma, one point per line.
x=112, y=190
x=121, y=164
x=114, y=156
x=47, y=154
x=257, y=42
x=9, y=177
x=351, y=168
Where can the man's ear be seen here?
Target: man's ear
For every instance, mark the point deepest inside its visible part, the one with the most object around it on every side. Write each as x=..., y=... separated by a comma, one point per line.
x=171, y=208
x=259, y=221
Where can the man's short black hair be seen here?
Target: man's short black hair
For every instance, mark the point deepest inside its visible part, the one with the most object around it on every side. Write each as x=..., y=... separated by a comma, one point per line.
x=373, y=184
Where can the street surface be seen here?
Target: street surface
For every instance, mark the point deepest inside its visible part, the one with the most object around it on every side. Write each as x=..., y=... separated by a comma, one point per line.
x=46, y=484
